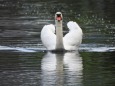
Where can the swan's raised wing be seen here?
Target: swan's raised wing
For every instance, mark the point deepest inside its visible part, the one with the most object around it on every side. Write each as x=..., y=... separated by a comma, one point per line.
x=73, y=38
x=48, y=36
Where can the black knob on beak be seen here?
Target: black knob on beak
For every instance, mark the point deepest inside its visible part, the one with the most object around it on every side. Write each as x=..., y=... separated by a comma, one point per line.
x=58, y=15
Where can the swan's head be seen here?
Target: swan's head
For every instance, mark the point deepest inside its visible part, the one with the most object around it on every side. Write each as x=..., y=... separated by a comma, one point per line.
x=58, y=16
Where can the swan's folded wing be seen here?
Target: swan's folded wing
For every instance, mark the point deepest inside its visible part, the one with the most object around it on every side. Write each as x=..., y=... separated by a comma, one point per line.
x=74, y=37
x=48, y=37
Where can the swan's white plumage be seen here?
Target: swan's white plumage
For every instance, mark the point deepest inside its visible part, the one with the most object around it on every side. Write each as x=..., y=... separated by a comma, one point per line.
x=52, y=41
x=48, y=37
x=73, y=39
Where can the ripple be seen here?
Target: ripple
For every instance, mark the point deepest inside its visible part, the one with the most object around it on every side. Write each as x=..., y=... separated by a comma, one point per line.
x=97, y=47
x=20, y=49
x=83, y=48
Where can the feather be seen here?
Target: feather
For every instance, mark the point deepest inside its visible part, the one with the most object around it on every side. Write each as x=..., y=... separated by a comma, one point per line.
x=73, y=38
x=48, y=37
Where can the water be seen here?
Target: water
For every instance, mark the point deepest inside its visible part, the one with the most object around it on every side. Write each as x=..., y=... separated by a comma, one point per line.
x=24, y=62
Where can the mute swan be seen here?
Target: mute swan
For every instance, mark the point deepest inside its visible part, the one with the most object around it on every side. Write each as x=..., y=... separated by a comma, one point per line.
x=70, y=41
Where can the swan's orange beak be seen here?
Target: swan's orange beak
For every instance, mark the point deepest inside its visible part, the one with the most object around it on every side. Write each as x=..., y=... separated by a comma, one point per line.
x=59, y=18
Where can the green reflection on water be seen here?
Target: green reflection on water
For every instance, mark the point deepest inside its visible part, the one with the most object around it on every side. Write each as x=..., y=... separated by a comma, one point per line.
x=98, y=69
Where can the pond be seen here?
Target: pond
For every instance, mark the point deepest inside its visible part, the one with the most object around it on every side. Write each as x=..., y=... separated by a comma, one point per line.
x=24, y=60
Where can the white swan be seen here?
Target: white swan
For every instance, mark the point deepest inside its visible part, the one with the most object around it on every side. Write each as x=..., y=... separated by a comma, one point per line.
x=70, y=41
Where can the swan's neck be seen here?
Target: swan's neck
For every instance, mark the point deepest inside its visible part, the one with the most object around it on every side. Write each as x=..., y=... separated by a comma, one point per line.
x=59, y=36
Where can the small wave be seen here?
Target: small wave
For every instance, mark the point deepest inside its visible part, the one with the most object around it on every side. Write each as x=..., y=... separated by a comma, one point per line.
x=20, y=49
x=98, y=49
x=84, y=48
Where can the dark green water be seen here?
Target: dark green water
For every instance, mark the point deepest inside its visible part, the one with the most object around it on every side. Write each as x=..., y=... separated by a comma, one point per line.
x=47, y=69
x=23, y=61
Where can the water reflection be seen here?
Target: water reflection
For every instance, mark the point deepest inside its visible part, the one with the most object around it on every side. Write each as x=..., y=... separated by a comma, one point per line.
x=73, y=65
x=59, y=69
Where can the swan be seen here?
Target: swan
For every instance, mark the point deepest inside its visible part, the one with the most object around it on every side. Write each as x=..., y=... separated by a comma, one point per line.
x=52, y=41
x=73, y=39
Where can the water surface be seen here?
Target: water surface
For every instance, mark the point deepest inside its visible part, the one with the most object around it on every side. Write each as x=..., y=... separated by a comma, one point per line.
x=23, y=59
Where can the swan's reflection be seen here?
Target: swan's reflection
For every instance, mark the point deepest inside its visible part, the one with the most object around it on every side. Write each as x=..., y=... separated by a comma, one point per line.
x=61, y=69
x=73, y=68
